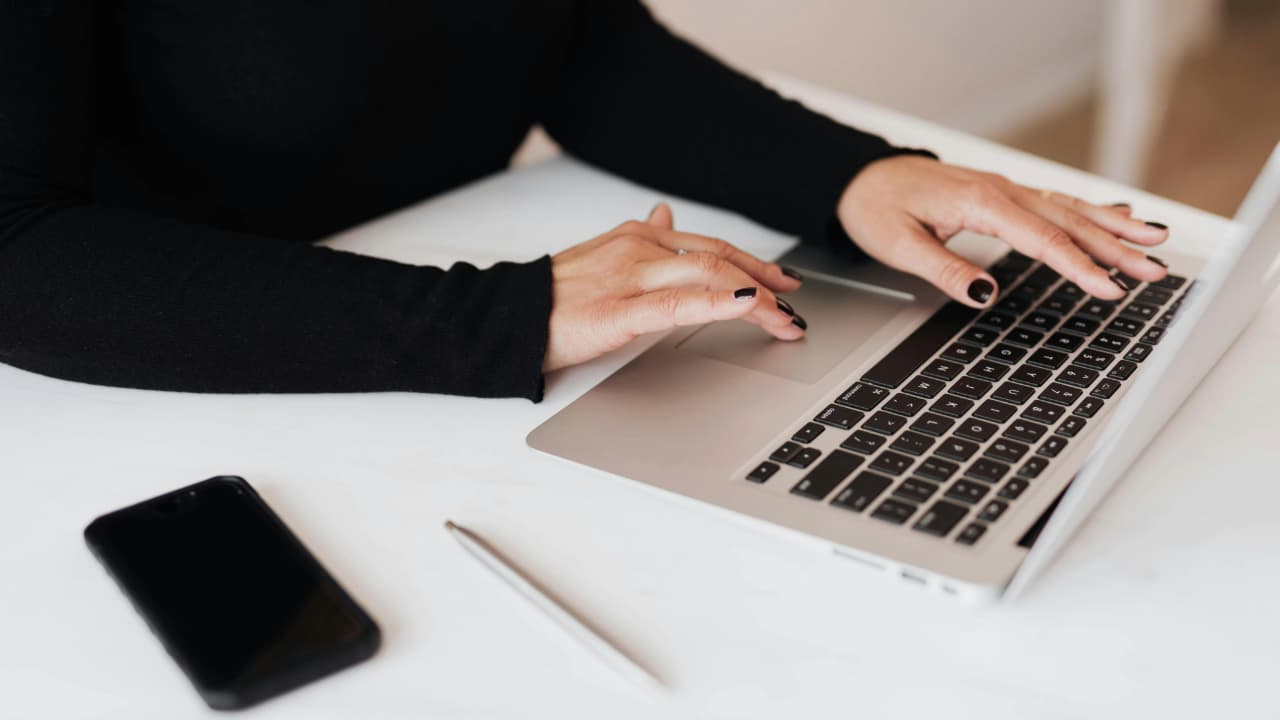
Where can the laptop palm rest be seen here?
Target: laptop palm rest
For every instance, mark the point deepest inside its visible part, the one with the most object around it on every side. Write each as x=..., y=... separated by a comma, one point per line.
x=841, y=318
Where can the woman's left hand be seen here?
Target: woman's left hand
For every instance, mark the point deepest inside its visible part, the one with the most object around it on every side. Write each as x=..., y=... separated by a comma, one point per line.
x=901, y=210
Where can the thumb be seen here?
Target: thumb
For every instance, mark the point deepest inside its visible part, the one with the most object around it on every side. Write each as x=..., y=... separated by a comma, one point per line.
x=661, y=216
x=921, y=254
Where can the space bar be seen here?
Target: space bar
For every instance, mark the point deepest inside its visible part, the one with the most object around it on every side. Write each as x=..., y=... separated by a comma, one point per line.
x=911, y=353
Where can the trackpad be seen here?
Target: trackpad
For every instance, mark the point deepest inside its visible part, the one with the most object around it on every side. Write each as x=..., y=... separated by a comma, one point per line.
x=841, y=319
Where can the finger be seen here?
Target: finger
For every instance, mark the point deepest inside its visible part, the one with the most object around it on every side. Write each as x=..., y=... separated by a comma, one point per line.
x=709, y=272
x=1095, y=240
x=772, y=275
x=674, y=307
x=1036, y=237
x=1121, y=224
x=918, y=252
x=661, y=216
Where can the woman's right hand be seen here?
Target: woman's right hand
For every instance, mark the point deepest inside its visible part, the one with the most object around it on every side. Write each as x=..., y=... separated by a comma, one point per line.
x=635, y=279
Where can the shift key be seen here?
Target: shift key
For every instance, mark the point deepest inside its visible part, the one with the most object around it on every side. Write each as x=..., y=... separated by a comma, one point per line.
x=827, y=475
x=859, y=494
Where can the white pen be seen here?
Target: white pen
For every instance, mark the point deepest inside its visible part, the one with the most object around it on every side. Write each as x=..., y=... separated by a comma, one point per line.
x=528, y=589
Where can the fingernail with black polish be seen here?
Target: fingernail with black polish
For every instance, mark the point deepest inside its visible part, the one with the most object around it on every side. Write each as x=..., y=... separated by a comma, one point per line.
x=1156, y=225
x=799, y=322
x=744, y=293
x=791, y=273
x=1123, y=280
x=785, y=307
x=980, y=290
x=1119, y=205
x=1158, y=261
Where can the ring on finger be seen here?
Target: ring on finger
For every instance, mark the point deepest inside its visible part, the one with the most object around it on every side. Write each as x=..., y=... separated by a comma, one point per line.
x=681, y=251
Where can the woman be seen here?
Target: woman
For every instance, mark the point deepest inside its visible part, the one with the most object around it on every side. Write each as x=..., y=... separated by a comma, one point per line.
x=164, y=168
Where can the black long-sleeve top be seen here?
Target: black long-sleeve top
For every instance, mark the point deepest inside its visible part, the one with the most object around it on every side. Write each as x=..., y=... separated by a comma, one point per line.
x=166, y=165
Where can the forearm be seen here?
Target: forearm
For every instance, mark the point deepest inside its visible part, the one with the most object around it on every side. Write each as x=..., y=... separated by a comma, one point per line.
x=112, y=297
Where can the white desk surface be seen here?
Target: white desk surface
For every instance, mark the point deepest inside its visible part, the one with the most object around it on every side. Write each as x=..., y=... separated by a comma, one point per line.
x=1162, y=606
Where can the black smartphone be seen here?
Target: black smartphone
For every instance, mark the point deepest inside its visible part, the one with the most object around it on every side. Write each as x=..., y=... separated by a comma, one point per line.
x=235, y=598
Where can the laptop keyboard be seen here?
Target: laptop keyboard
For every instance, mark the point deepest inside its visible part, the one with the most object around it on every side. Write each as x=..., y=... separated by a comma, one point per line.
x=949, y=428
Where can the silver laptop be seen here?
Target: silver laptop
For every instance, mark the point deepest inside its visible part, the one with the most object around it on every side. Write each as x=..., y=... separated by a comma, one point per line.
x=952, y=448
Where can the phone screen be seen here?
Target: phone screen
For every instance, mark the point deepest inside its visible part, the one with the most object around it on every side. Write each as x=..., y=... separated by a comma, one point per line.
x=234, y=596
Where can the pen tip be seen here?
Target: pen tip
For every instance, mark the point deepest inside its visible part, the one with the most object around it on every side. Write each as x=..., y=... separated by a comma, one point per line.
x=448, y=525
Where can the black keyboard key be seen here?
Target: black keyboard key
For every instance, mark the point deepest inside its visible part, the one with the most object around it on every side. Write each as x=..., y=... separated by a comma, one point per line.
x=885, y=423
x=1125, y=326
x=1081, y=325
x=961, y=353
x=1030, y=375
x=1088, y=407
x=971, y=533
x=932, y=424
x=935, y=468
x=804, y=458
x=992, y=511
x=1022, y=337
x=1098, y=309
x=894, y=511
x=891, y=462
x=912, y=443
x=1013, y=392
x=1040, y=321
x=860, y=493
x=1071, y=290
x=995, y=411
x=957, y=449
x=1032, y=468
x=1009, y=451
x=1013, y=489
x=839, y=417
x=1053, y=446
x=1006, y=353
x=951, y=406
x=1081, y=377
x=1106, y=342
x=1138, y=353
x=976, y=430
x=972, y=388
x=1106, y=388
x=1043, y=412
x=1141, y=311
x=863, y=442
x=1058, y=304
x=1026, y=431
x=862, y=396
x=980, y=336
x=987, y=370
x=1013, y=261
x=925, y=387
x=829, y=473
x=987, y=470
x=807, y=433
x=1153, y=295
x=998, y=320
x=785, y=452
x=915, y=490
x=905, y=405
x=1051, y=359
x=1126, y=281
x=1041, y=279
x=1170, y=281
x=1122, y=370
x=763, y=471
x=943, y=370
x=967, y=491
x=940, y=518
x=1013, y=305
x=920, y=345
x=1061, y=394
x=1071, y=426
x=1152, y=336
x=1094, y=359
x=1064, y=342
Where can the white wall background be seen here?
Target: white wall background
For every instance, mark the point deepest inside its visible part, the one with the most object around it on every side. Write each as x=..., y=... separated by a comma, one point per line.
x=984, y=66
